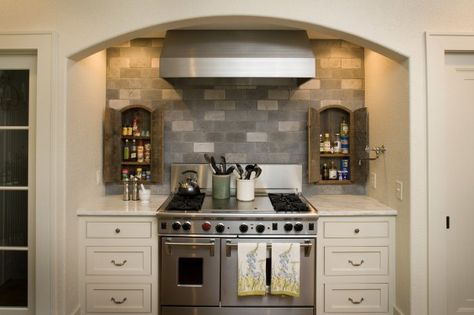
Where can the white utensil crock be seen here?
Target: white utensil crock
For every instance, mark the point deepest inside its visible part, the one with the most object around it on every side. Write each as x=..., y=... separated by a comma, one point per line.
x=245, y=189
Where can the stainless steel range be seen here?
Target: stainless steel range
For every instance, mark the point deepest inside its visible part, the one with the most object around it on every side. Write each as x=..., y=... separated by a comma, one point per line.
x=198, y=245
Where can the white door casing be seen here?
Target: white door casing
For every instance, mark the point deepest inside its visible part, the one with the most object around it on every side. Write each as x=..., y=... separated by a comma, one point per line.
x=25, y=61
x=49, y=181
x=450, y=70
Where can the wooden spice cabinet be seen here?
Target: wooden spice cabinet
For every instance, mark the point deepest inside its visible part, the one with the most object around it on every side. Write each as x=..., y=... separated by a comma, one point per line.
x=113, y=163
x=327, y=120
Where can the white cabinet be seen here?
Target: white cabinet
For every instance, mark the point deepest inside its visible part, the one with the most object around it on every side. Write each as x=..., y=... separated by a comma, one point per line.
x=118, y=260
x=355, y=265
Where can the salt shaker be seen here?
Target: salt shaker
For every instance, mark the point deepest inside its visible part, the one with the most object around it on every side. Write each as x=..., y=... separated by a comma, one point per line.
x=126, y=190
x=134, y=188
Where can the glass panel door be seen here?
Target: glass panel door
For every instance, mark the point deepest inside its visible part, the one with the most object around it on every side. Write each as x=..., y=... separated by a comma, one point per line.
x=17, y=81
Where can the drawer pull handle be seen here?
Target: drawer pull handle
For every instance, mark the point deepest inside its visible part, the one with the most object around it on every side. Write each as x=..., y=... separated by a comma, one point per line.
x=356, y=302
x=117, y=301
x=356, y=231
x=118, y=264
x=117, y=230
x=356, y=264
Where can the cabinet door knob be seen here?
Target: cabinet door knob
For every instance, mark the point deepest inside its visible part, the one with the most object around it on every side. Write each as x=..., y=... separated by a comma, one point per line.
x=117, y=301
x=356, y=231
x=117, y=230
x=355, y=302
x=356, y=264
x=118, y=264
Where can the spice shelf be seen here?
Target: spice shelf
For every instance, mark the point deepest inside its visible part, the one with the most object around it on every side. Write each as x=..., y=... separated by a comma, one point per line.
x=121, y=150
x=328, y=120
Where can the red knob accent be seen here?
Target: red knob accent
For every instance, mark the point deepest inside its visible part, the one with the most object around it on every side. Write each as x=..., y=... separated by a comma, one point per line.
x=206, y=226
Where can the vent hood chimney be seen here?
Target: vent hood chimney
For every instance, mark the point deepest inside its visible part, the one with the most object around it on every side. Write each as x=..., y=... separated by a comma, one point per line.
x=237, y=54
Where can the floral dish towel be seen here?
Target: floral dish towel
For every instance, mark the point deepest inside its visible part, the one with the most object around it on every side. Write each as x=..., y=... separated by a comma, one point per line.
x=251, y=268
x=286, y=269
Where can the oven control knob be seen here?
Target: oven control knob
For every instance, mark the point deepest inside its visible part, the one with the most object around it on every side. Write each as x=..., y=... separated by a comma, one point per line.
x=288, y=227
x=243, y=228
x=176, y=226
x=206, y=226
x=186, y=226
x=298, y=226
x=260, y=228
x=220, y=228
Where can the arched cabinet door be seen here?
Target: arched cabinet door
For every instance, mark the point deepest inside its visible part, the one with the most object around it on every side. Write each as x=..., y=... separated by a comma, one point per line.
x=133, y=144
x=350, y=165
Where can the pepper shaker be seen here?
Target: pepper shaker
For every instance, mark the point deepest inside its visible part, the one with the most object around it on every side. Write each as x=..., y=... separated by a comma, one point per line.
x=126, y=190
x=134, y=188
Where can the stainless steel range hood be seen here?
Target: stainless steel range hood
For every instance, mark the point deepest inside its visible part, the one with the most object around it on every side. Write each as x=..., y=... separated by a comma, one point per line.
x=237, y=54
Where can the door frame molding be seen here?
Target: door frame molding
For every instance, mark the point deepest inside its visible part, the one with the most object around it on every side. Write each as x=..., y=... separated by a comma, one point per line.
x=437, y=44
x=44, y=46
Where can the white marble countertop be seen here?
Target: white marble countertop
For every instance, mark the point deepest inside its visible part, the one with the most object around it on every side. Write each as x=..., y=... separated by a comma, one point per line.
x=326, y=205
x=349, y=205
x=114, y=205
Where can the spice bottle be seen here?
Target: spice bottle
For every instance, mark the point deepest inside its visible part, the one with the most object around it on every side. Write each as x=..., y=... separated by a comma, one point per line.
x=321, y=143
x=325, y=172
x=327, y=143
x=332, y=171
x=126, y=150
x=337, y=144
x=140, y=152
x=133, y=151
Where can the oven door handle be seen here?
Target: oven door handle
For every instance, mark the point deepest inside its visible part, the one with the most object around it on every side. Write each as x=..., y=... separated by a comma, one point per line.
x=307, y=245
x=211, y=246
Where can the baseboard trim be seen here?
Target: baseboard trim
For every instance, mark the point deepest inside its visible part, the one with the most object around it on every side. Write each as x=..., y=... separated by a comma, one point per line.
x=77, y=311
x=396, y=311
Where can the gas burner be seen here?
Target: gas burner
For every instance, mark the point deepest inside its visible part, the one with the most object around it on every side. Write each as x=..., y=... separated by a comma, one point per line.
x=186, y=203
x=287, y=202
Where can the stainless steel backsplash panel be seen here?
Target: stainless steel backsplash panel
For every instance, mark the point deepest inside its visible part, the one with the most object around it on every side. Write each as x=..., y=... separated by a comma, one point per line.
x=274, y=177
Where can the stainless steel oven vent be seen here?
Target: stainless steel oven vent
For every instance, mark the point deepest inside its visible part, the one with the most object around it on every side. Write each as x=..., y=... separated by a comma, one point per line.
x=237, y=54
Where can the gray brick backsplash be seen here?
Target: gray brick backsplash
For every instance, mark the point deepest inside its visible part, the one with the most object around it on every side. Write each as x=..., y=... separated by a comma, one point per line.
x=240, y=119
x=257, y=136
x=267, y=105
x=224, y=105
x=281, y=94
x=236, y=157
x=203, y=147
x=286, y=126
x=182, y=125
x=214, y=115
x=235, y=136
x=214, y=94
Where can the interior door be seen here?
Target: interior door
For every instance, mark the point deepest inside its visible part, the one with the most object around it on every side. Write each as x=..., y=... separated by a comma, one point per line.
x=450, y=173
x=459, y=188
x=17, y=177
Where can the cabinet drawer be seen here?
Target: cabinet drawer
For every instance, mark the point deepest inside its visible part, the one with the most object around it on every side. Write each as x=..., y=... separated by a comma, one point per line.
x=118, y=260
x=118, y=298
x=356, y=229
x=118, y=230
x=356, y=298
x=352, y=261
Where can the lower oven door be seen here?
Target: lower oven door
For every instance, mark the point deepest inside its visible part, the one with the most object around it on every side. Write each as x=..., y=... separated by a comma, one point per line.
x=189, y=271
x=229, y=274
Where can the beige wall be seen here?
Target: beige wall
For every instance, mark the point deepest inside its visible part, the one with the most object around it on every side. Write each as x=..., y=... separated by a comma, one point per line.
x=386, y=84
x=86, y=86
x=397, y=25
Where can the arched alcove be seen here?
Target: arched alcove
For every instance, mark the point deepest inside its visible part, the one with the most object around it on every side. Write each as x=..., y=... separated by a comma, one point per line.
x=386, y=96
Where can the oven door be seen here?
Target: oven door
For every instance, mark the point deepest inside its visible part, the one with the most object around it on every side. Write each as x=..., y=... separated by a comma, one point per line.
x=229, y=274
x=189, y=271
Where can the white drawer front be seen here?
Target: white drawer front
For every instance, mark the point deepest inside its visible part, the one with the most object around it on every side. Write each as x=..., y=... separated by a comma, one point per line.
x=118, y=230
x=356, y=298
x=118, y=260
x=356, y=229
x=352, y=261
x=118, y=298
